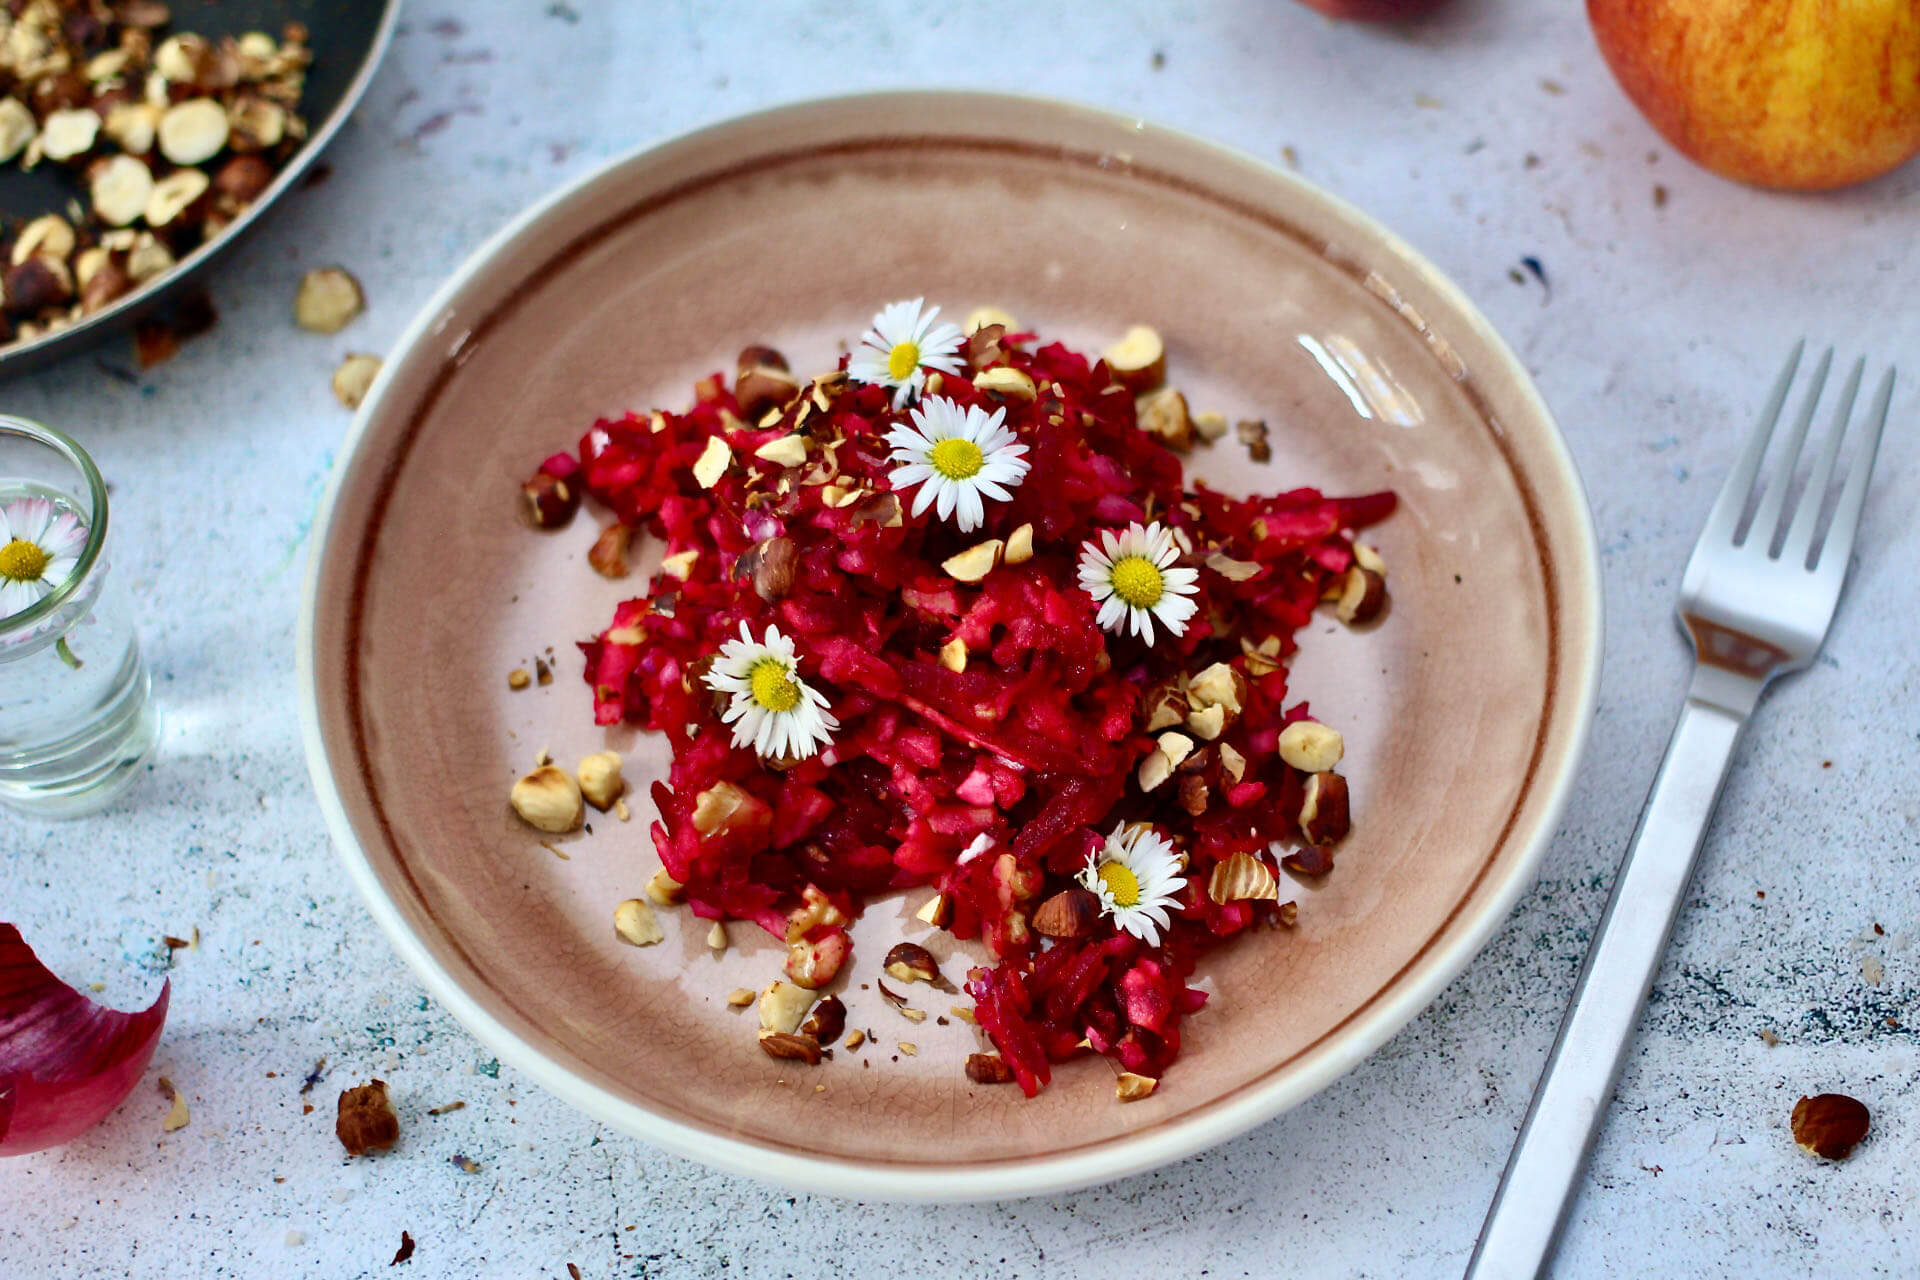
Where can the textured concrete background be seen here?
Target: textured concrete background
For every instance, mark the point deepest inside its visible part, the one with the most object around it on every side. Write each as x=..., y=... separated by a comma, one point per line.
x=1487, y=135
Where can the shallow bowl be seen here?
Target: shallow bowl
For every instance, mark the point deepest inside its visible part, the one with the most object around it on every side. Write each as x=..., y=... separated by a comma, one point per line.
x=1465, y=710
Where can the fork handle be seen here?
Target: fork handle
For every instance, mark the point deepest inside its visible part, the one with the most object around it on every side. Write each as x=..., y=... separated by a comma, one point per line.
x=1551, y=1155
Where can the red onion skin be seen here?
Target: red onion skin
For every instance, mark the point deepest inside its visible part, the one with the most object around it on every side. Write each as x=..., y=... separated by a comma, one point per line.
x=65, y=1062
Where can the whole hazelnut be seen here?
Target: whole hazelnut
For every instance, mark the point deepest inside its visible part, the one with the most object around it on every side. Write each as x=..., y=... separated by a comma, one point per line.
x=1829, y=1125
x=366, y=1120
x=243, y=178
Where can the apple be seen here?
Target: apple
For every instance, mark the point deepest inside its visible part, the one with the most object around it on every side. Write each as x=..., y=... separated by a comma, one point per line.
x=1798, y=94
x=1373, y=10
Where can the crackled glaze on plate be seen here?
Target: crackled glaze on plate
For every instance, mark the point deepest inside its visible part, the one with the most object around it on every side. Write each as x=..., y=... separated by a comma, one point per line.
x=1464, y=710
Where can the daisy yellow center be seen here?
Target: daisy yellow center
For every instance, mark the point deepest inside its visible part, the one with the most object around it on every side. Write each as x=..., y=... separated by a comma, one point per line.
x=22, y=561
x=1137, y=581
x=1121, y=883
x=903, y=360
x=773, y=688
x=957, y=459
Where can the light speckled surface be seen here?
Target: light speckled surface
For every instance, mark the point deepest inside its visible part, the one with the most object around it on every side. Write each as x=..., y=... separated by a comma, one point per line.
x=1660, y=328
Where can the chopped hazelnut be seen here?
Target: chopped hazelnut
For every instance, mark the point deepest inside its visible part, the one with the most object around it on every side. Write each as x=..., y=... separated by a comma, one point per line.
x=714, y=806
x=910, y=962
x=1139, y=360
x=176, y=197
x=1208, y=722
x=600, y=780
x=1241, y=877
x=548, y=799
x=549, y=501
x=1019, y=545
x=1163, y=415
x=17, y=128
x=1310, y=746
x=784, y=451
x=988, y=1068
x=1232, y=570
x=49, y=235
x=353, y=379
x=1232, y=763
x=1324, y=814
x=131, y=126
x=1005, y=381
x=254, y=124
x=1363, y=594
x=712, y=462
x=1131, y=1088
x=328, y=298
x=148, y=258
x=827, y=1021
x=634, y=922
x=783, y=1005
x=66, y=134
x=1218, y=685
x=789, y=1046
x=980, y=317
x=663, y=888
x=1253, y=434
x=975, y=563
x=608, y=554
x=192, y=132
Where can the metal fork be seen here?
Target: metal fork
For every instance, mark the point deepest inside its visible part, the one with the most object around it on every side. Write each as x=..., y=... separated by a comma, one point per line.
x=1758, y=596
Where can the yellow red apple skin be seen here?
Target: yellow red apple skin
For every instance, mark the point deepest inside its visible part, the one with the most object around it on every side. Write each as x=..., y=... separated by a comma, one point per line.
x=1799, y=94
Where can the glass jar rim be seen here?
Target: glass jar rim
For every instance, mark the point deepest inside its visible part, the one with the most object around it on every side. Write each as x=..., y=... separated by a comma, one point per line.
x=69, y=448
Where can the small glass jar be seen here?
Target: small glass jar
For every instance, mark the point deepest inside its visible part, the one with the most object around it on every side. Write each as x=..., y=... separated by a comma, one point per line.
x=76, y=726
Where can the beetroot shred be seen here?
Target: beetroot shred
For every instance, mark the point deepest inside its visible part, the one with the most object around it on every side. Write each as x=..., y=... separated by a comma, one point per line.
x=996, y=708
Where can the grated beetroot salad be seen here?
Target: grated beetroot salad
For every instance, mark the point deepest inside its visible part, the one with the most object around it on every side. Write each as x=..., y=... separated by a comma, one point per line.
x=988, y=736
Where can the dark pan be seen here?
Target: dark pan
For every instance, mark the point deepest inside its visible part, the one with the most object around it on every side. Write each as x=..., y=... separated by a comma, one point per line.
x=347, y=37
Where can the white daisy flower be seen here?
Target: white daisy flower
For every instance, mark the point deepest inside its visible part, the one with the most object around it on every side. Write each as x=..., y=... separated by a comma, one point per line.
x=40, y=546
x=903, y=345
x=955, y=455
x=1130, y=578
x=771, y=708
x=1136, y=876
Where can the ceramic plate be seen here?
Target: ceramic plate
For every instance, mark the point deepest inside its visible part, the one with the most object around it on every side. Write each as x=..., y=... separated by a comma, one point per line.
x=1465, y=710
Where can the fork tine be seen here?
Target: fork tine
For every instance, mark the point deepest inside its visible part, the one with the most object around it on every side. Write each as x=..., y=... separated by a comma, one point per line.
x=1799, y=539
x=1838, y=547
x=1766, y=518
x=1724, y=519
